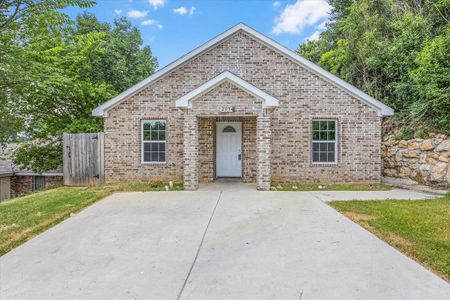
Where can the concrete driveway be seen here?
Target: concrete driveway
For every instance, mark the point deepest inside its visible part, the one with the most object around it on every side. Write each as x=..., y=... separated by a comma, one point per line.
x=216, y=243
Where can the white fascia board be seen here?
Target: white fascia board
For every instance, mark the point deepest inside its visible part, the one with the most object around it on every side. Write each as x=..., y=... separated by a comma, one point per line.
x=383, y=110
x=186, y=100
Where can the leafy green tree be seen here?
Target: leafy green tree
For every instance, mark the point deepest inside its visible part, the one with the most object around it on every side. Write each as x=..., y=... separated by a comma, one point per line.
x=20, y=20
x=57, y=71
x=376, y=46
x=125, y=62
x=431, y=82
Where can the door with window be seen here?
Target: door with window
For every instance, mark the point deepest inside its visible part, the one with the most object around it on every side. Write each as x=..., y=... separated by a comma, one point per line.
x=229, y=149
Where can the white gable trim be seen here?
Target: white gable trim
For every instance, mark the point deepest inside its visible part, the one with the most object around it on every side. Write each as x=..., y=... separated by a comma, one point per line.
x=383, y=110
x=186, y=100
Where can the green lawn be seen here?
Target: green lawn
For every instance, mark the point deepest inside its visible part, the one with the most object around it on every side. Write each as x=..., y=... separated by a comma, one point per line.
x=24, y=217
x=420, y=229
x=330, y=187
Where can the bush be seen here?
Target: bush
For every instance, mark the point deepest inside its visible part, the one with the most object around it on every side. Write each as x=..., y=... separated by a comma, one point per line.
x=155, y=182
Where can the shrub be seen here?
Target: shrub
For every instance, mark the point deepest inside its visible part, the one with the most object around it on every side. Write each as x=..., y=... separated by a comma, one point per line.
x=155, y=182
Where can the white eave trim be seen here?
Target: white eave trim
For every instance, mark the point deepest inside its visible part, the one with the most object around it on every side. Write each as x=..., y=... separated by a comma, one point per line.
x=186, y=100
x=383, y=110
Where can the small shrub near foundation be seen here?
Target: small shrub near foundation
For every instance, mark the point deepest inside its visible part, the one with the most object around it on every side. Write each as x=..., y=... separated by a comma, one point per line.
x=155, y=182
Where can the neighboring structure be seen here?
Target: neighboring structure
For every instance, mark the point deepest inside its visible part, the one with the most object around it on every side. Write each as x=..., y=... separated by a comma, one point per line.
x=242, y=105
x=15, y=181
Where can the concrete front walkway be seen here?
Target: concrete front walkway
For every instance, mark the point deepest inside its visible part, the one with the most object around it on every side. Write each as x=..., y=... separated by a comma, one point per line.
x=216, y=243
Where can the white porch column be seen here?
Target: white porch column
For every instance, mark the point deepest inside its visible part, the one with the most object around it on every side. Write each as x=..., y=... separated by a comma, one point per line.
x=263, y=152
x=190, y=133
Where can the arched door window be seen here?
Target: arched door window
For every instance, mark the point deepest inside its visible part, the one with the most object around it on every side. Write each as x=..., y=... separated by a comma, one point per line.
x=228, y=129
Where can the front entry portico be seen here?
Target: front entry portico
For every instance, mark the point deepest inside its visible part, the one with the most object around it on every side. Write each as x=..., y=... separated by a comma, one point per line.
x=213, y=107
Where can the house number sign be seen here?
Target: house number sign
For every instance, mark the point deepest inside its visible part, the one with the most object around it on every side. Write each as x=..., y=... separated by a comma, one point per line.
x=226, y=108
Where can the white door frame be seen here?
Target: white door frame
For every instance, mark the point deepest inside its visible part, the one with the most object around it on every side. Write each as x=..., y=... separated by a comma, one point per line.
x=219, y=127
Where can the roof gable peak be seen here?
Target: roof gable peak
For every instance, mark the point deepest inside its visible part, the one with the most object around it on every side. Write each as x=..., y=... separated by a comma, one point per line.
x=226, y=76
x=383, y=110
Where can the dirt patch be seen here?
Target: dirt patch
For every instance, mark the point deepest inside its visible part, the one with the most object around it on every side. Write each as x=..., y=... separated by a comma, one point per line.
x=396, y=239
x=359, y=217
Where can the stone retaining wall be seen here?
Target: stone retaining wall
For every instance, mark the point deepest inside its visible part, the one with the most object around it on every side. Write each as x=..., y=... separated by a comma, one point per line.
x=423, y=160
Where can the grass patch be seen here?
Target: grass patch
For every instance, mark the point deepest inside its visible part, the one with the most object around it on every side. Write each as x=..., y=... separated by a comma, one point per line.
x=24, y=217
x=420, y=229
x=330, y=187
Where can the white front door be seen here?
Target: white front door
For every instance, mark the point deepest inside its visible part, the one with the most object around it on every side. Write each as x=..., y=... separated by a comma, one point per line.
x=228, y=149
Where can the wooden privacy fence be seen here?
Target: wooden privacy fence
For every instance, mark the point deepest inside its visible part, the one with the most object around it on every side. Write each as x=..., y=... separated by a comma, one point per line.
x=83, y=161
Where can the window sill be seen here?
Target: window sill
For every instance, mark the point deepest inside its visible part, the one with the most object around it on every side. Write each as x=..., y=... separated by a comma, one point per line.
x=319, y=164
x=153, y=162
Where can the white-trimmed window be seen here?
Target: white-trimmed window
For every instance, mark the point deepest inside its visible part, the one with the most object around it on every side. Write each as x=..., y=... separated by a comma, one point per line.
x=324, y=136
x=153, y=141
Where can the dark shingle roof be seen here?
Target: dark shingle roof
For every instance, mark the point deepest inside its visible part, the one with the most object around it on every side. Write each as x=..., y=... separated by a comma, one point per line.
x=7, y=167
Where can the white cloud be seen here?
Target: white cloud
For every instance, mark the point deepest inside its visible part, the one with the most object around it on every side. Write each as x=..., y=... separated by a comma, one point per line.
x=180, y=10
x=137, y=14
x=276, y=4
x=183, y=10
x=295, y=17
x=314, y=37
x=157, y=3
x=118, y=11
x=151, y=22
x=323, y=25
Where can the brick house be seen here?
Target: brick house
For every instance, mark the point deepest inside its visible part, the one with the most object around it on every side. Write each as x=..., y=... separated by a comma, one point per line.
x=15, y=181
x=243, y=106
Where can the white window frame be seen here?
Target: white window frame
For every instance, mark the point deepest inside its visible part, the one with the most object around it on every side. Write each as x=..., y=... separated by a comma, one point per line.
x=144, y=142
x=336, y=138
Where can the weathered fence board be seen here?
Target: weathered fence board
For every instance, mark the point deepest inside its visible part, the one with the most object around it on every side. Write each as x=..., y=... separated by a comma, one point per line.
x=83, y=162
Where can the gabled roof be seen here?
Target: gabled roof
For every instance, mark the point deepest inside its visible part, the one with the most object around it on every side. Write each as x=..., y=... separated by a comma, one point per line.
x=383, y=110
x=186, y=100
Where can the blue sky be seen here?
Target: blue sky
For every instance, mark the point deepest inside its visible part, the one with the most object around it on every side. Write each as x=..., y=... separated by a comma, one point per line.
x=172, y=28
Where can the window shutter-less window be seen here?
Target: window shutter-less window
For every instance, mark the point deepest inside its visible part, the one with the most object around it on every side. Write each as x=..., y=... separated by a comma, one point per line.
x=153, y=141
x=324, y=136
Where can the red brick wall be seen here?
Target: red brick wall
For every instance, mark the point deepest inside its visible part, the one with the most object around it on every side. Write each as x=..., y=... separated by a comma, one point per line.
x=21, y=184
x=24, y=184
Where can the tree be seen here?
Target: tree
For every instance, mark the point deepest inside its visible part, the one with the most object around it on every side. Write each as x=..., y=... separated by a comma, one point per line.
x=431, y=82
x=377, y=45
x=57, y=72
x=19, y=21
x=125, y=62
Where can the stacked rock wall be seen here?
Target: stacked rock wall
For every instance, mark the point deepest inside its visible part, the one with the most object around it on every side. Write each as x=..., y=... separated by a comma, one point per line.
x=423, y=160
